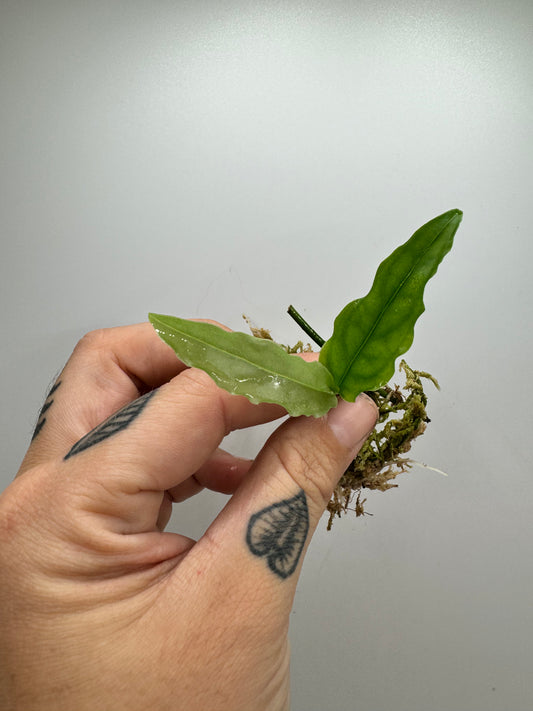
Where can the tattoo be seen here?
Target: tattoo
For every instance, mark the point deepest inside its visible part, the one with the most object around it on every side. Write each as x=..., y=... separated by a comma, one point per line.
x=116, y=423
x=47, y=404
x=278, y=533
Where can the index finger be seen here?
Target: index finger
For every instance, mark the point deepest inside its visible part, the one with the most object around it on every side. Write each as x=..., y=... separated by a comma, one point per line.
x=108, y=368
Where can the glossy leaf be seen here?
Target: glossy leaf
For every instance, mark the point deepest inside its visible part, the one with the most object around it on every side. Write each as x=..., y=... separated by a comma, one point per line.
x=371, y=332
x=244, y=365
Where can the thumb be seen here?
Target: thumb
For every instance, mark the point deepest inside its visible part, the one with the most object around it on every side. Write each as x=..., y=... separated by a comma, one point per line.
x=267, y=524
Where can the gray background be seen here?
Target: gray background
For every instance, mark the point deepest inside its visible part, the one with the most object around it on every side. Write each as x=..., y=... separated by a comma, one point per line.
x=206, y=159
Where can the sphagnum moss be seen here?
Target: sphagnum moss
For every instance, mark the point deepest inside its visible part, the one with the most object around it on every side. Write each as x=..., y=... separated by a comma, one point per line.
x=402, y=418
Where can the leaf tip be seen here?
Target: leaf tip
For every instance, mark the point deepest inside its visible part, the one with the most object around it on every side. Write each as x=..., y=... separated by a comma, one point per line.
x=154, y=319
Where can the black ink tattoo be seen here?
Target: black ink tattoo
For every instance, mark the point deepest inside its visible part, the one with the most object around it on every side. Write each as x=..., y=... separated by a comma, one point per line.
x=47, y=404
x=116, y=423
x=278, y=533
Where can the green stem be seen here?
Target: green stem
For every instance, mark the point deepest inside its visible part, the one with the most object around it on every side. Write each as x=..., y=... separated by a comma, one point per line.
x=313, y=335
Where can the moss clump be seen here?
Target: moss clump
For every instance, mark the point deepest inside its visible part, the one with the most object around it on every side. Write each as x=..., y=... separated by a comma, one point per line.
x=402, y=418
x=265, y=333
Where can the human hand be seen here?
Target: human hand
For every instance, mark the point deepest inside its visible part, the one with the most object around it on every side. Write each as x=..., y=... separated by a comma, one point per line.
x=100, y=608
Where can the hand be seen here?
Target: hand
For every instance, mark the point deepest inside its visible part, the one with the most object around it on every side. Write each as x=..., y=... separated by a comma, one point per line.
x=100, y=608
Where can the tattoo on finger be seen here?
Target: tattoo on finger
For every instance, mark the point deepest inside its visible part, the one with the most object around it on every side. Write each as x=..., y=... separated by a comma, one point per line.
x=278, y=534
x=116, y=423
x=41, y=420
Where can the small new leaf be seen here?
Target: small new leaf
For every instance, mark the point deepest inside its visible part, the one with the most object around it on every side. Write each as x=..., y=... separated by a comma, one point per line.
x=371, y=332
x=256, y=368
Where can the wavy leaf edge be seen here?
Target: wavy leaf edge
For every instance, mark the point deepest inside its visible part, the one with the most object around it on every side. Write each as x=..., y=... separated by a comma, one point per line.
x=386, y=366
x=301, y=387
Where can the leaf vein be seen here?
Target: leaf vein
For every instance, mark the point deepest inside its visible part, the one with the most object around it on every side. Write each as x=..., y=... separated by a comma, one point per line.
x=390, y=300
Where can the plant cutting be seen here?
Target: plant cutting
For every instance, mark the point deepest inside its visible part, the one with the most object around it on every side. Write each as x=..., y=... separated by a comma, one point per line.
x=369, y=334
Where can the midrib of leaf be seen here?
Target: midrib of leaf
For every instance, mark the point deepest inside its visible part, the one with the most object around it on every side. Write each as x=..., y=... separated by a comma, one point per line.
x=391, y=299
x=245, y=360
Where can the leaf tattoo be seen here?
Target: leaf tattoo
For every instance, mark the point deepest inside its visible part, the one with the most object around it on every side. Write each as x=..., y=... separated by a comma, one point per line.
x=278, y=533
x=116, y=423
x=47, y=405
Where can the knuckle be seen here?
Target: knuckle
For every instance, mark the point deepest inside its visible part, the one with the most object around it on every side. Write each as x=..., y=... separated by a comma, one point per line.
x=20, y=506
x=92, y=349
x=9, y=519
x=94, y=353
x=196, y=382
x=308, y=465
x=93, y=340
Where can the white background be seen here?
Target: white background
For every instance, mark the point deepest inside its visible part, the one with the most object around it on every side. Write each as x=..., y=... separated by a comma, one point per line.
x=206, y=159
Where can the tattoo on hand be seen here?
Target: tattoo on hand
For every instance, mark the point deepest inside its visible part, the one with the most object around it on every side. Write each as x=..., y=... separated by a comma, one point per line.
x=47, y=404
x=278, y=533
x=116, y=423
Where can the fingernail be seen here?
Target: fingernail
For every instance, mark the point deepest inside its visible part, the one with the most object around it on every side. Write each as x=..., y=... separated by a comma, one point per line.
x=352, y=422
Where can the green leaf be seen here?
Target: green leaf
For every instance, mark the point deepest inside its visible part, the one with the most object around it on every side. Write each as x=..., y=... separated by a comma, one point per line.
x=256, y=368
x=371, y=332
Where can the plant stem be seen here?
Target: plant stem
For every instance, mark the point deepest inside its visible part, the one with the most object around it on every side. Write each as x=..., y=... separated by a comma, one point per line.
x=313, y=335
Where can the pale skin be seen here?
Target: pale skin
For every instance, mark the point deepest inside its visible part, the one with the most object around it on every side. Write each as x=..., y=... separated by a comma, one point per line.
x=100, y=608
